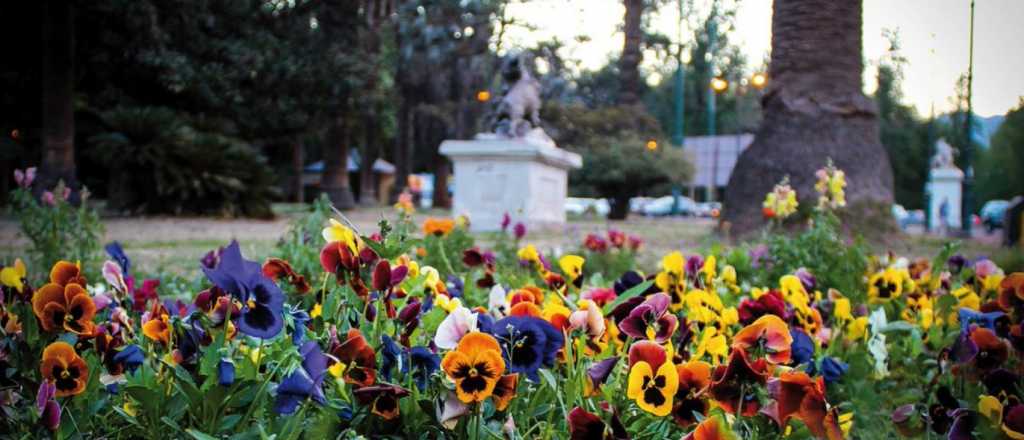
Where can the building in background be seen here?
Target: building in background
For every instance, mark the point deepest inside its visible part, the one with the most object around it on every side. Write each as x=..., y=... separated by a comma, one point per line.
x=713, y=159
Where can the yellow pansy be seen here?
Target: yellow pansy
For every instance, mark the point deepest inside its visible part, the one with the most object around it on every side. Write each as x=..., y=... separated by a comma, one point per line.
x=674, y=263
x=341, y=233
x=446, y=303
x=991, y=282
x=318, y=310
x=528, y=253
x=12, y=276
x=857, y=329
x=337, y=370
x=710, y=269
x=845, y=423
x=843, y=311
x=713, y=344
x=572, y=266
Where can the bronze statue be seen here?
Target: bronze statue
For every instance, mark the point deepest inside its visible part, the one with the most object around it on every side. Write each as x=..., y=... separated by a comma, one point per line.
x=518, y=111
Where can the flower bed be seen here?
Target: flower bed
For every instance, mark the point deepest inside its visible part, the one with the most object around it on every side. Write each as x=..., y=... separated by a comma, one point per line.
x=418, y=332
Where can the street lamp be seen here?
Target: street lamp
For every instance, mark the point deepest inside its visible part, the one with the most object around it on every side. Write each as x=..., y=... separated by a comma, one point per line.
x=652, y=145
x=759, y=80
x=719, y=85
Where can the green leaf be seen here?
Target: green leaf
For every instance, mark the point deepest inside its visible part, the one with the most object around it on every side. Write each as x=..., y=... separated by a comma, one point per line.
x=199, y=435
x=633, y=291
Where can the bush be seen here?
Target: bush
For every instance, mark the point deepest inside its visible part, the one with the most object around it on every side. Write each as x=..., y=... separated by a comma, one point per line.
x=618, y=163
x=56, y=229
x=161, y=163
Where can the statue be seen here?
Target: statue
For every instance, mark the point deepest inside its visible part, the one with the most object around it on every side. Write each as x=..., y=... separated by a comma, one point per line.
x=518, y=112
x=943, y=157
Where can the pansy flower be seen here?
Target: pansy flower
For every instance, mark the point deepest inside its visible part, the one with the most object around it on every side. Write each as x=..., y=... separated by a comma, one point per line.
x=649, y=320
x=64, y=368
x=802, y=348
x=382, y=399
x=734, y=382
x=694, y=378
x=423, y=363
x=968, y=317
x=64, y=307
x=992, y=351
x=584, y=425
x=276, y=268
x=359, y=357
x=572, y=267
x=527, y=343
x=505, y=391
x=770, y=334
x=460, y=322
x=769, y=303
x=886, y=285
x=598, y=374
x=798, y=395
x=116, y=252
x=475, y=366
x=46, y=403
x=672, y=278
x=1011, y=292
x=262, y=301
x=653, y=379
x=14, y=276
x=304, y=383
x=66, y=272
x=158, y=327
x=712, y=428
x=438, y=227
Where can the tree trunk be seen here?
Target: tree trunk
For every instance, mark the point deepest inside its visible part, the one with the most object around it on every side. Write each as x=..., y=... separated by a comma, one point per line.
x=629, y=62
x=367, y=187
x=299, y=191
x=814, y=109
x=334, y=181
x=619, y=209
x=58, y=161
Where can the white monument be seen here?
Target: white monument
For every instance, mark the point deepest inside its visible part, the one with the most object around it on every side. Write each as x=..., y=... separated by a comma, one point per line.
x=944, y=188
x=517, y=169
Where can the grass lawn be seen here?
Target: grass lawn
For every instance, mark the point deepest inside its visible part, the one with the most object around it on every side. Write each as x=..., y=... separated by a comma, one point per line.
x=174, y=245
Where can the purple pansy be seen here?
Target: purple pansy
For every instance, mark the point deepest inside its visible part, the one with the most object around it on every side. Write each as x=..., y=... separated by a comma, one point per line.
x=651, y=315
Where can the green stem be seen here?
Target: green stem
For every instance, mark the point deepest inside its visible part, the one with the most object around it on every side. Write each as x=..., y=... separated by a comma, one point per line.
x=444, y=257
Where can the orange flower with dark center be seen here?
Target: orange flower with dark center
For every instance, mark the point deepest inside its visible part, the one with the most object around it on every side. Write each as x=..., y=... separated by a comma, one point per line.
x=531, y=294
x=653, y=379
x=360, y=358
x=525, y=309
x=382, y=399
x=504, y=391
x=798, y=395
x=65, y=369
x=475, y=366
x=694, y=378
x=67, y=307
x=1011, y=291
x=158, y=328
x=734, y=383
x=438, y=227
x=66, y=272
x=768, y=335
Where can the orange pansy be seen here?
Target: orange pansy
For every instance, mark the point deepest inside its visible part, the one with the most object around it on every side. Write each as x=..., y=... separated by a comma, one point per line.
x=66, y=272
x=712, y=428
x=438, y=226
x=694, y=378
x=798, y=395
x=475, y=366
x=505, y=390
x=64, y=368
x=359, y=357
x=769, y=332
x=66, y=307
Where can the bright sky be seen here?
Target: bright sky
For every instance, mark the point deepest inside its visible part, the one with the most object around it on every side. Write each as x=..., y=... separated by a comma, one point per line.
x=933, y=34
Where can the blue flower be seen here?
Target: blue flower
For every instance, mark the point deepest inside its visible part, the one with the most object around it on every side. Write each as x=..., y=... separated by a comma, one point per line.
x=262, y=301
x=802, y=349
x=130, y=358
x=225, y=372
x=833, y=369
x=987, y=320
x=304, y=383
x=390, y=357
x=299, y=319
x=423, y=363
x=527, y=343
x=117, y=253
x=455, y=286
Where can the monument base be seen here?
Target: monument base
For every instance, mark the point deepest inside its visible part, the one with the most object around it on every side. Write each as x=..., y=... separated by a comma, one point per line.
x=520, y=176
x=944, y=185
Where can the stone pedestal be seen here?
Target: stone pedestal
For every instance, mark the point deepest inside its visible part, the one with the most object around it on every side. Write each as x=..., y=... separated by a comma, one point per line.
x=525, y=177
x=944, y=184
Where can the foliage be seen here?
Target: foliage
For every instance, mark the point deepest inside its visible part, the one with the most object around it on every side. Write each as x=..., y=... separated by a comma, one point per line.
x=166, y=164
x=56, y=229
x=995, y=176
x=905, y=137
x=617, y=161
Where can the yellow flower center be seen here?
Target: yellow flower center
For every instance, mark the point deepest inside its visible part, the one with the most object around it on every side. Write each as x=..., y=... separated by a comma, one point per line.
x=251, y=303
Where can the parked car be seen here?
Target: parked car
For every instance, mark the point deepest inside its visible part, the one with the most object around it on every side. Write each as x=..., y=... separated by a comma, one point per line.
x=905, y=218
x=707, y=209
x=663, y=206
x=583, y=205
x=992, y=214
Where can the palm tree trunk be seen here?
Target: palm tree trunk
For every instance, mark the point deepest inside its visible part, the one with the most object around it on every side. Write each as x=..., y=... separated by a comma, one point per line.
x=629, y=62
x=814, y=109
x=334, y=181
x=58, y=161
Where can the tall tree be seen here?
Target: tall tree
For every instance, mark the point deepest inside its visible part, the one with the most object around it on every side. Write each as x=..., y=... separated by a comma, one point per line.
x=58, y=142
x=814, y=110
x=629, y=62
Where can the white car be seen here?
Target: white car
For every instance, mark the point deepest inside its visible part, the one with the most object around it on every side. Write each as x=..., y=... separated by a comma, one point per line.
x=663, y=206
x=582, y=205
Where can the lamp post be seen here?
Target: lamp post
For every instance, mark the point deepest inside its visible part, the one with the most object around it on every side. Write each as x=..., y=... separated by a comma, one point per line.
x=967, y=202
x=718, y=85
x=678, y=131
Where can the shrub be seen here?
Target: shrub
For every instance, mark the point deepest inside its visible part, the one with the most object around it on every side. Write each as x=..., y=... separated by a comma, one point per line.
x=161, y=163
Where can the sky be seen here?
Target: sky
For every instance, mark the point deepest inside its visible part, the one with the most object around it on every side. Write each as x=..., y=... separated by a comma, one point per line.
x=933, y=36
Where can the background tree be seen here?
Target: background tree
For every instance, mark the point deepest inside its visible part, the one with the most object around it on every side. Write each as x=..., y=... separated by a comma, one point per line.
x=631, y=57
x=814, y=110
x=58, y=130
x=998, y=167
